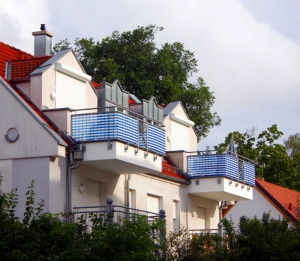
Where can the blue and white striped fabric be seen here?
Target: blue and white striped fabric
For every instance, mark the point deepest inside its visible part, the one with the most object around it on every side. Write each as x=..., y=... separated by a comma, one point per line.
x=116, y=125
x=219, y=165
x=156, y=139
x=249, y=173
x=104, y=126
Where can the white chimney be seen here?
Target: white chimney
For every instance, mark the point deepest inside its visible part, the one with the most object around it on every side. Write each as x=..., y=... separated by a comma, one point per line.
x=42, y=42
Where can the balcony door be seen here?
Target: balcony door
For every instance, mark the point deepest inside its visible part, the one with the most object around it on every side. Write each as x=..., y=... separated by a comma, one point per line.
x=201, y=218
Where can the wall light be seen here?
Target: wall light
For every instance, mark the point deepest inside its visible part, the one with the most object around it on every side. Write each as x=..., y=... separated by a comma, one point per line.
x=81, y=188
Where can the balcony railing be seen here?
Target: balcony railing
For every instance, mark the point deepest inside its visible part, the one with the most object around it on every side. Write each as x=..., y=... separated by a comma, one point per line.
x=115, y=123
x=211, y=164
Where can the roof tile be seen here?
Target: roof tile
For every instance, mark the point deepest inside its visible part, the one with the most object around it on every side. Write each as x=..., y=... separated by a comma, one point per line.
x=8, y=53
x=21, y=69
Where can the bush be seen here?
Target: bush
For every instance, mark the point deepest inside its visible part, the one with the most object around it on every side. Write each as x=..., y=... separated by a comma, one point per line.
x=43, y=236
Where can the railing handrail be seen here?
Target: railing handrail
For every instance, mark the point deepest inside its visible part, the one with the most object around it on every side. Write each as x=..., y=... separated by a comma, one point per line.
x=210, y=153
x=114, y=210
x=130, y=113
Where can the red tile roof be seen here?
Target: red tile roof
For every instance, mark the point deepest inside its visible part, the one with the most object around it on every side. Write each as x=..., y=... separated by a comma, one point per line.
x=95, y=84
x=131, y=101
x=169, y=169
x=21, y=69
x=285, y=199
x=8, y=53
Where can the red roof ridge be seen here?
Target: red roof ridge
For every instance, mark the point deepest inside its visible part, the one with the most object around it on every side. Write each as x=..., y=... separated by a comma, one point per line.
x=33, y=58
x=275, y=185
x=7, y=45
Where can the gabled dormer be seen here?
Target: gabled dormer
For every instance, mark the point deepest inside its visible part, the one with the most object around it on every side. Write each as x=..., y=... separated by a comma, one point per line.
x=112, y=94
x=180, y=132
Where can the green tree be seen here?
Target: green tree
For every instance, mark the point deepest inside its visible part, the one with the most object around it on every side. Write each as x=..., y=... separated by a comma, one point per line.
x=273, y=162
x=146, y=70
x=292, y=144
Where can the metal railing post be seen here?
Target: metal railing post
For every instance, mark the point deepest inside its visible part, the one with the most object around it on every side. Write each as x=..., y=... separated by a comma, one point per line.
x=220, y=230
x=162, y=217
x=109, y=211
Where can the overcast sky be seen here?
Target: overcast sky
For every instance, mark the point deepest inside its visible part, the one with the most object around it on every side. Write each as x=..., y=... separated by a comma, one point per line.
x=248, y=50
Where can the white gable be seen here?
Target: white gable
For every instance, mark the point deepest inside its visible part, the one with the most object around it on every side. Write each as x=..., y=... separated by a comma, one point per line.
x=251, y=208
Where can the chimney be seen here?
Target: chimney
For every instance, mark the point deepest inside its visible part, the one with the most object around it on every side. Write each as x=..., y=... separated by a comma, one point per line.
x=42, y=42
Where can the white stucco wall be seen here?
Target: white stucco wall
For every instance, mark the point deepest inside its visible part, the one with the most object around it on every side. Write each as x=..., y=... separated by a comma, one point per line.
x=186, y=142
x=6, y=174
x=26, y=170
x=251, y=208
x=57, y=185
x=113, y=186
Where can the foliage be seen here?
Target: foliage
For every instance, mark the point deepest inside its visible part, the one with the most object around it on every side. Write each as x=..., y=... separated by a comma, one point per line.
x=146, y=70
x=292, y=145
x=264, y=239
x=273, y=161
x=61, y=45
x=42, y=236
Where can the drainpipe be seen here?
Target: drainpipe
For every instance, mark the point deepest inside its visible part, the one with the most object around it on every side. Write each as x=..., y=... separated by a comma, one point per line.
x=74, y=155
x=126, y=186
x=220, y=225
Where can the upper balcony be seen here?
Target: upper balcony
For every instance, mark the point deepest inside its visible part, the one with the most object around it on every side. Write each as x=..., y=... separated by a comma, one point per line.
x=119, y=140
x=221, y=177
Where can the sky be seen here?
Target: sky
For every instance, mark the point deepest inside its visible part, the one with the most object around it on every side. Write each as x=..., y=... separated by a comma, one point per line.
x=248, y=51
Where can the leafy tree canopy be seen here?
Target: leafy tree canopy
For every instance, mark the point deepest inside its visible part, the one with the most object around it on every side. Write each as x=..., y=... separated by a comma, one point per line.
x=292, y=145
x=273, y=161
x=146, y=70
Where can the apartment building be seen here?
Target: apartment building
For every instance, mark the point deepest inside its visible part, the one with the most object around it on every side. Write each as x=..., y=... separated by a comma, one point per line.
x=83, y=142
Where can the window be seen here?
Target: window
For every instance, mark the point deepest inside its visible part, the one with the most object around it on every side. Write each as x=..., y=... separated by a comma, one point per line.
x=176, y=215
x=153, y=203
x=201, y=217
x=132, y=198
x=93, y=193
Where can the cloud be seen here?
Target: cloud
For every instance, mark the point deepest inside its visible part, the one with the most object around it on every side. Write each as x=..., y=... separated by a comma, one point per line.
x=18, y=19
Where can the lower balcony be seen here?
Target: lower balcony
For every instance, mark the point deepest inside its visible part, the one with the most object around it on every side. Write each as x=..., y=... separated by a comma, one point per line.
x=120, y=141
x=221, y=177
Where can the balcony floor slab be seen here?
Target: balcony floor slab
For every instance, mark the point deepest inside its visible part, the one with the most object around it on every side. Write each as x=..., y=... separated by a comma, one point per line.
x=220, y=189
x=120, y=158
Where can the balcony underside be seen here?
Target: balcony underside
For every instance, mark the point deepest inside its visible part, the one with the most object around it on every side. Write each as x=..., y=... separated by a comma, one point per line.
x=220, y=189
x=120, y=158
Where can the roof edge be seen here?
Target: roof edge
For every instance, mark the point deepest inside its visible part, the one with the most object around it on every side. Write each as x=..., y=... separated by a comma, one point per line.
x=277, y=203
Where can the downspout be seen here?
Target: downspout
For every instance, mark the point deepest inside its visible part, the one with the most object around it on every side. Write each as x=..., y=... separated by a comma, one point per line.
x=220, y=225
x=70, y=166
x=126, y=185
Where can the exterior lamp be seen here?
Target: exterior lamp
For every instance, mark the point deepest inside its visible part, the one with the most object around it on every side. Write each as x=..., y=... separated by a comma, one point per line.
x=81, y=188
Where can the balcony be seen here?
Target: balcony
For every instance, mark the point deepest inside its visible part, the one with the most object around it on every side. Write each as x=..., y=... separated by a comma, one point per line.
x=119, y=140
x=219, y=177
